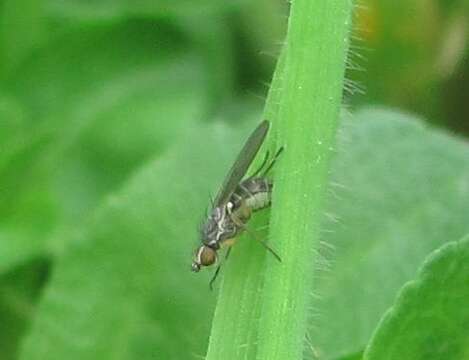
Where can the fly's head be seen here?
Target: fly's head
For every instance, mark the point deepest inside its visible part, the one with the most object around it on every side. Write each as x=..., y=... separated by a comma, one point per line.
x=216, y=229
x=204, y=256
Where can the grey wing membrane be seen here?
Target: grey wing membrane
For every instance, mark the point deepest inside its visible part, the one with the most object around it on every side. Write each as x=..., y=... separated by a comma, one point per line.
x=242, y=163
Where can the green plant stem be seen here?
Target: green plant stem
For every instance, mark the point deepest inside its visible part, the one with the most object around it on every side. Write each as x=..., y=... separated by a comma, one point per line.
x=268, y=321
x=307, y=120
x=234, y=328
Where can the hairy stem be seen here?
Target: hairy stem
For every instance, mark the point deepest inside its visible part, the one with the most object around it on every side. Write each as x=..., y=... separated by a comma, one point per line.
x=263, y=304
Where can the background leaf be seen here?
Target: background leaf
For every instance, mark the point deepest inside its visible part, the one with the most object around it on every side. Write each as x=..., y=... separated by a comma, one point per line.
x=87, y=123
x=93, y=92
x=125, y=289
x=430, y=316
x=115, y=10
x=125, y=281
x=20, y=289
x=75, y=131
x=429, y=75
x=399, y=189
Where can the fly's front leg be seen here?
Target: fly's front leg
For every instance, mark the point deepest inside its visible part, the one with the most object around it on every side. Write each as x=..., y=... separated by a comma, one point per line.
x=217, y=271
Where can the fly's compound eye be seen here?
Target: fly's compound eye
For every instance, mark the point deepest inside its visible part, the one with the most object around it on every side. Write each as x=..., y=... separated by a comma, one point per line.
x=205, y=256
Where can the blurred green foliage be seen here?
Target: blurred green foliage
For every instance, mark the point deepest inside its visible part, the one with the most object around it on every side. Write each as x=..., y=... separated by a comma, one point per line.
x=113, y=132
x=399, y=191
x=429, y=308
x=414, y=56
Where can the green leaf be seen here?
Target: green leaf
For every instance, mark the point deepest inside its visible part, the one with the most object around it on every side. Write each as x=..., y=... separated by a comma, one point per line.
x=355, y=356
x=18, y=246
x=73, y=130
x=430, y=317
x=22, y=29
x=399, y=189
x=424, y=78
x=125, y=289
x=19, y=292
x=77, y=128
x=107, y=10
x=12, y=128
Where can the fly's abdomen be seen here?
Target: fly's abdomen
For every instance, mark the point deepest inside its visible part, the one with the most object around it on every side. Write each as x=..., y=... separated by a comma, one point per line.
x=254, y=193
x=259, y=201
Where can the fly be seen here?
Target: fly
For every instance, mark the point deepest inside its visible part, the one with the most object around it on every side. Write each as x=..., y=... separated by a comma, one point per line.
x=235, y=202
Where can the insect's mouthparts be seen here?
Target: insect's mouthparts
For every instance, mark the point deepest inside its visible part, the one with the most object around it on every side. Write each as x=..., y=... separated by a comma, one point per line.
x=195, y=267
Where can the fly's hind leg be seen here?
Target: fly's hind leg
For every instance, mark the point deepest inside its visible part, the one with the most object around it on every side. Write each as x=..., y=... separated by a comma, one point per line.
x=272, y=163
x=239, y=223
x=267, y=247
x=264, y=162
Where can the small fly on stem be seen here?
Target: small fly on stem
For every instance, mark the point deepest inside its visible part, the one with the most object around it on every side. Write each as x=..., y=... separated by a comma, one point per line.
x=235, y=202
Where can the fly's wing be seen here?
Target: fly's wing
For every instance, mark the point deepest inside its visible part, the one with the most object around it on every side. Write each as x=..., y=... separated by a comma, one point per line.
x=242, y=163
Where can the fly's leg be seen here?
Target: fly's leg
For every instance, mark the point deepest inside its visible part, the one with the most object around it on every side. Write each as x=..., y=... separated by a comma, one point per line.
x=264, y=162
x=267, y=247
x=212, y=280
x=266, y=157
x=277, y=154
x=239, y=223
x=245, y=190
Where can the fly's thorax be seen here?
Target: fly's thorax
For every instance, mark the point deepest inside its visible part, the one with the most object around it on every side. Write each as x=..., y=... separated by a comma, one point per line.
x=209, y=230
x=218, y=227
